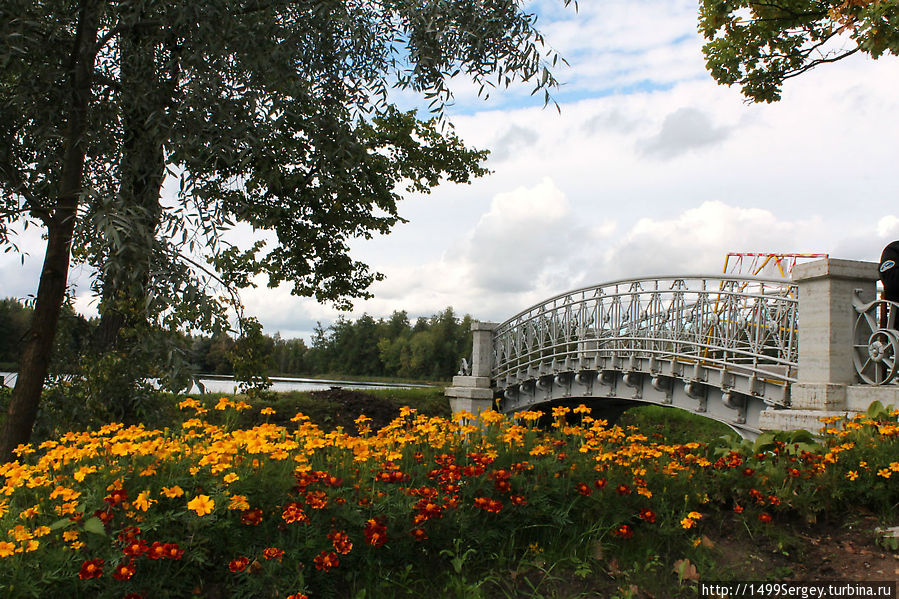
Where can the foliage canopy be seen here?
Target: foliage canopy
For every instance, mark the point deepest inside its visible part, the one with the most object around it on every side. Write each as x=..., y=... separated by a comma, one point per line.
x=759, y=45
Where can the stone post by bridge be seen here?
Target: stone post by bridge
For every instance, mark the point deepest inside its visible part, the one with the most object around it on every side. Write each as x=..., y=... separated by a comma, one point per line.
x=826, y=378
x=472, y=392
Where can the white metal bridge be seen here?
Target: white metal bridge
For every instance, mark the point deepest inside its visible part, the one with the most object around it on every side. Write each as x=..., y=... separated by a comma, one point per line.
x=726, y=347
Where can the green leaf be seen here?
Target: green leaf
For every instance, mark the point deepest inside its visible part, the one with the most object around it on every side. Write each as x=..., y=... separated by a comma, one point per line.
x=95, y=526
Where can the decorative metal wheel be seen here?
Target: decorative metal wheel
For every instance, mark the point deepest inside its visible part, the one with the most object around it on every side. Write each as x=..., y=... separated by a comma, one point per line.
x=875, y=347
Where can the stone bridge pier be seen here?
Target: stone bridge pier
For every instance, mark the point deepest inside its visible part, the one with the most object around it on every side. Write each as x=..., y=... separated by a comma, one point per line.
x=825, y=380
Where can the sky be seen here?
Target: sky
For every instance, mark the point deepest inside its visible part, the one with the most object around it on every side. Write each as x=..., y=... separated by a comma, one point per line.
x=648, y=168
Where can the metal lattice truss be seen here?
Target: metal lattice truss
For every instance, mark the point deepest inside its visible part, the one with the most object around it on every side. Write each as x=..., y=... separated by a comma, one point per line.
x=740, y=326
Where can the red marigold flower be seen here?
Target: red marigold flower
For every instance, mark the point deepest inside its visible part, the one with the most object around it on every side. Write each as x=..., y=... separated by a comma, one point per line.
x=104, y=516
x=774, y=499
x=136, y=548
x=793, y=472
x=133, y=596
x=129, y=533
x=738, y=508
x=172, y=551
x=418, y=534
x=748, y=471
x=600, y=483
x=317, y=500
x=116, y=497
x=293, y=512
x=326, y=560
x=764, y=517
x=518, y=500
x=157, y=551
x=91, y=569
x=341, y=542
x=624, y=531
x=238, y=564
x=428, y=509
x=647, y=514
x=124, y=571
x=584, y=490
x=488, y=505
x=273, y=553
x=375, y=532
x=623, y=490
x=251, y=517
x=297, y=596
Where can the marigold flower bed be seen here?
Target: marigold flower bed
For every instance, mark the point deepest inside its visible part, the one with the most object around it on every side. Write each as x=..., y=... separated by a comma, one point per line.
x=278, y=511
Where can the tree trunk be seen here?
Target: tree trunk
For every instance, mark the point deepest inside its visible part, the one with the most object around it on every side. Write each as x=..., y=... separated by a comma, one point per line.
x=38, y=347
x=146, y=95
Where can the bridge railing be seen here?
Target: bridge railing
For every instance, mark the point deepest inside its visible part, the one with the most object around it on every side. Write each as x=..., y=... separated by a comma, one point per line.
x=736, y=323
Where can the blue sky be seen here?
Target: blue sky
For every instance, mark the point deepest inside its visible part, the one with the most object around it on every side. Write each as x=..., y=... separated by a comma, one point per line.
x=650, y=168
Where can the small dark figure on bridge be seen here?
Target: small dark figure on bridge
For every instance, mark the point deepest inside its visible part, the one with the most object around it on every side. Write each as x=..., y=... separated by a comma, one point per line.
x=889, y=271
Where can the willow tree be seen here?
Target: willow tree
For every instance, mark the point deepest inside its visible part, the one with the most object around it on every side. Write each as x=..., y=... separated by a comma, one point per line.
x=759, y=45
x=273, y=115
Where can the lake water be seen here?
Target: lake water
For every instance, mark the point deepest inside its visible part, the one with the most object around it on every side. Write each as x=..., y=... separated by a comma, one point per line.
x=226, y=384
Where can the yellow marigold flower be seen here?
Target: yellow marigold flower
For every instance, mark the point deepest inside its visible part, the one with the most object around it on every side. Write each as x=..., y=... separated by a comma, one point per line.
x=31, y=545
x=223, y=404
x=30, y=512
x=83, y=472
x=41, y=531
x=143, y=501
x=230, y=478
x=7, y=549
x=267, y=411
x=694, y=515
x=852, y=475
x=76, y=545
x=894, y=466
x=188, y=403
x=238, y=502
x=19, y=533
x=884, y=472
x=70, y=535
x=201, y=504
x=148, y=471
x=172, y=492
x=687, y=523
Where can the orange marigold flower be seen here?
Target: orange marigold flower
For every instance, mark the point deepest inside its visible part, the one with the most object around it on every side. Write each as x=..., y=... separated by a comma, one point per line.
x=341, y=542
x=273, y=553
x=124, y=571
x=326, y=560
x=624, y=531
x=251, y=517
x=764, y=517
x=293, y=512
x=738, y=508
x=238, y=564
x=91, y=569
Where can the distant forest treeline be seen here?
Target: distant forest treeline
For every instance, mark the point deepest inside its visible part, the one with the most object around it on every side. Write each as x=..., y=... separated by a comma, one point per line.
x=430, y=348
